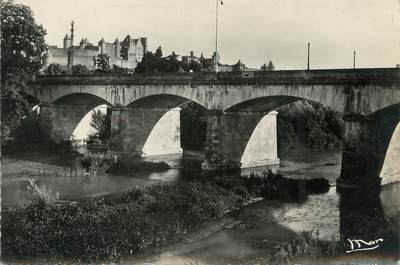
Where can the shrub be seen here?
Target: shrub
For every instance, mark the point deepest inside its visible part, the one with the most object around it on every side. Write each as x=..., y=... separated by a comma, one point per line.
x=311, y=124
x=114, y=226
x=80, y=69
x=101, y=122
x=40, y=195
x=305, y=245
x=131, y=165
x=105, y=229
x=54, y=69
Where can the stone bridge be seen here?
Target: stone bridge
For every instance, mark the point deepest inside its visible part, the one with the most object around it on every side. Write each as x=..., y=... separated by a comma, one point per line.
x=241, y=120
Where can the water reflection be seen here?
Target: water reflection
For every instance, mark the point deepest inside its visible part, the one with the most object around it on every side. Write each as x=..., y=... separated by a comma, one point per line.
x=77, y=185
x=292, y=205
x=362, y=216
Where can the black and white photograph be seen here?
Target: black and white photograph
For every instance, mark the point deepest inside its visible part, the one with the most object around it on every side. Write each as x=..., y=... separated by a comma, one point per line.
x=200, y=132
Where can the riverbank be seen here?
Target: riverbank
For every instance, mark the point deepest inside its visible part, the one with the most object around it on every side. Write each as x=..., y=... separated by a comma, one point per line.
x=110, y=228
x=114, y=227
x=70, y=174
x=241, y=237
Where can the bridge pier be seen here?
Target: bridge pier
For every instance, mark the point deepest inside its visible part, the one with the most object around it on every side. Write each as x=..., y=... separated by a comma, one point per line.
x=58, y=122
x=366, y=144
x=240, y=140
x=145, y=131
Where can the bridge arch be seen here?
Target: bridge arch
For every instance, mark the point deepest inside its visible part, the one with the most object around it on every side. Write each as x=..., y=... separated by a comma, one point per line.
x=51, y=93
x=270, y=103
x=65, y=114
x=163, y=100
x=369, y=141
x=391, y=170
x=150, y=125
x=81, y=98
x=262, y=135
x=384, y=139
x=267, y=98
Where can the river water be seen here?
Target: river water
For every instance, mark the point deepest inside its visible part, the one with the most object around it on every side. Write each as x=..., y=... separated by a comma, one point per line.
x=242, y=237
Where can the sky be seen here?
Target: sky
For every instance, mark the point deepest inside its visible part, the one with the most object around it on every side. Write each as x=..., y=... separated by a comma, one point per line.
x=254, y=31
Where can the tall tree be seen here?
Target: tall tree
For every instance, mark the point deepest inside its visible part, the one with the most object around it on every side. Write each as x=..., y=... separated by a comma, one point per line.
x=103, y=63
x=270, y=66
x=101, y=122
x=158, y=53
x=23, y=51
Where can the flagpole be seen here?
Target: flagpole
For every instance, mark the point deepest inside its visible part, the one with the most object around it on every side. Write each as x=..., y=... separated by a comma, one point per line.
x=216, y=37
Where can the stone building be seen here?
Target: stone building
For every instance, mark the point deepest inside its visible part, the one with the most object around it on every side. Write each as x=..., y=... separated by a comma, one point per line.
x=209, y=63
x=126, y=54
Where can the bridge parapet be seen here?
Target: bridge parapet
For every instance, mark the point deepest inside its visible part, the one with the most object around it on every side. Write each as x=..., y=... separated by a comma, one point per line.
x=323, y=76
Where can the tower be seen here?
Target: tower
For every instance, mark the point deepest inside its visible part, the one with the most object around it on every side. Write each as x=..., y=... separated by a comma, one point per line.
x=102, y=46
x=117, y=46
x=71, y=48
x=67, y=42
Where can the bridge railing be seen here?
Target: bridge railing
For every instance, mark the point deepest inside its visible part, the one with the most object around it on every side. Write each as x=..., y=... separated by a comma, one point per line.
x=356, y=76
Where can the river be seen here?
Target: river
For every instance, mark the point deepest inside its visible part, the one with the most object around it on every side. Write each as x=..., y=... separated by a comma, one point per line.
x=242, y=237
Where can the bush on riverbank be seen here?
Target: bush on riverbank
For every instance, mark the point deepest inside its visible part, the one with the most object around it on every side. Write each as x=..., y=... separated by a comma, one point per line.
x=108, y=228
x=30, y=136
x=306, y=247
x=123, y=166
x=128, y=166
x=310, y=124
x=115, y=226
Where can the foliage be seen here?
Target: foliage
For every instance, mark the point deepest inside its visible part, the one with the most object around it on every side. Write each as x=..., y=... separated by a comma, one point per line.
x=154, y=63
x=23, y=47
x=80, y=69
x=54, y=69
x=57, y=69
x=102, y=63
x=325, y=128
x=151, y=62
x=311, y=124
x=131, y=165
x=119, y=70
x=194, y=66
x=39, y=194
x=308, y=246
x=117, y=225
x=193, y=126
x=29, y=130
x=106, y=162
x=102, y=124
x=96, y=163
x=269, y=67
x=14, y=106
x=23, y=50
x=108, y=228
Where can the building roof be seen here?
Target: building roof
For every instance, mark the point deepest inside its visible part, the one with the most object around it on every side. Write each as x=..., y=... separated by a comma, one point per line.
x=127, y=40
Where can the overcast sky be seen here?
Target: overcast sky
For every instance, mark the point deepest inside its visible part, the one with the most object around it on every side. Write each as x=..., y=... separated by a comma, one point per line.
x=254, y=31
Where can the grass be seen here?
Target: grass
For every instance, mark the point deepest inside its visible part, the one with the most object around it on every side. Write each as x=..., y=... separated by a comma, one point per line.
x=110, y=228
x=113, y=227
x=306, y=246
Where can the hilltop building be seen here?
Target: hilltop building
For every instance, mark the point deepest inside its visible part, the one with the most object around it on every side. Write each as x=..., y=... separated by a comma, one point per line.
x=209, y=63
x=126, y=54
